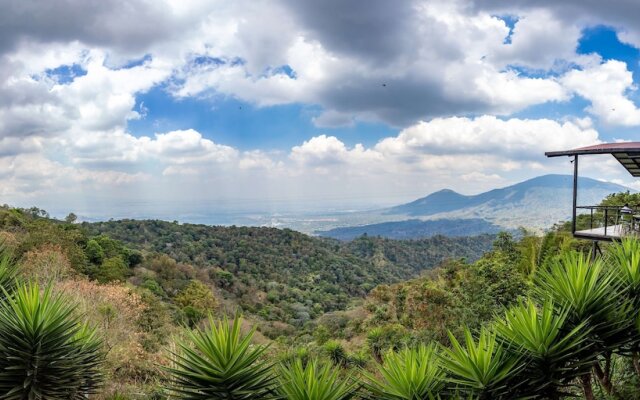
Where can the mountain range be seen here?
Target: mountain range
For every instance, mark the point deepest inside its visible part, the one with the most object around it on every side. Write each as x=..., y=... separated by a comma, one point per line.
x=535, y=204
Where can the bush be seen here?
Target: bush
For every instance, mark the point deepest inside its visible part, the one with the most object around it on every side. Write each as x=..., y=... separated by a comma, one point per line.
x=336, y=352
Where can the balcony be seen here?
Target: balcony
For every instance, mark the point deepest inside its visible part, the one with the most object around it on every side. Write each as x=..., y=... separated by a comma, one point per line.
x=606, y=222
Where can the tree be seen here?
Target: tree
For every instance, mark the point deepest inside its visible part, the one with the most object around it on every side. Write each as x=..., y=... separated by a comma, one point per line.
x=112, y=269
x=551, y=353
x=94, y=252
x=590, y=295
x=196, y=300
x=71, y=218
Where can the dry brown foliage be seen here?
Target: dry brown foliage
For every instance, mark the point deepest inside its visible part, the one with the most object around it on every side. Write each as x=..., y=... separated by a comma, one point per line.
x=44, y=264
x=116, y=309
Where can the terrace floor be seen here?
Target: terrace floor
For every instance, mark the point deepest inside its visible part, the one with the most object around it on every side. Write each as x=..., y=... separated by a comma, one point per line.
x=611, y=232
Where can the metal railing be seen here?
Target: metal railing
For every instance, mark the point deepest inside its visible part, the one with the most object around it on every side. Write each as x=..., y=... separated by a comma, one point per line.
x=607, y=217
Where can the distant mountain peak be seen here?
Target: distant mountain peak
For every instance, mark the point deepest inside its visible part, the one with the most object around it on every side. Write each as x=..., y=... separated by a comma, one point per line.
x=535, y=192
x=445, y=191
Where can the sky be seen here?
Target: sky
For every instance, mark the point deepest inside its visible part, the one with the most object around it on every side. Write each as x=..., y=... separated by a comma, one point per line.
x=170, y=106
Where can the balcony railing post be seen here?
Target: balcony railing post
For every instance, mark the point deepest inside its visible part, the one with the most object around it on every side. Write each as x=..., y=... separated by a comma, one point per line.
x=606, y=219
x=591, y=219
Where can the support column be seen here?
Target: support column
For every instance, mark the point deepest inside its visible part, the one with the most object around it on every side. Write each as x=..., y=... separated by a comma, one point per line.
x=575, y=193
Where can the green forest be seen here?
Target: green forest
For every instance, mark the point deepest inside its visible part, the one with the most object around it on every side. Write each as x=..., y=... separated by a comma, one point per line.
x=162, y=310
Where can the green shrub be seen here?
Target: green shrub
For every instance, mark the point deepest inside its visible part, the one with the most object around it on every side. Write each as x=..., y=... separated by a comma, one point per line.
x=551, y=353
x=410, y=374
x=314, y=381
x=220, y=363
x=336, y=352
x=45, y=352
x=480, y=368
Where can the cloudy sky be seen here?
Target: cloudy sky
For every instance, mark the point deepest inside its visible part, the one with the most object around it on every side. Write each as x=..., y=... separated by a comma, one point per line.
x=112, y=104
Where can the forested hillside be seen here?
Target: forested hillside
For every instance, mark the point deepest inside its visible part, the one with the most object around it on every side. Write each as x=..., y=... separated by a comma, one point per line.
x=281, y=275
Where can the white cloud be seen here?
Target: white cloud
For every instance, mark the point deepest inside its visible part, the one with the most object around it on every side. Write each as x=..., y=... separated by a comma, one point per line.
x=257, y=159
x=119, y=149
x=539, y=41
x=34, y=175
x=187, y=147
x=515, y=138
x=606, y=86
x=325, y=150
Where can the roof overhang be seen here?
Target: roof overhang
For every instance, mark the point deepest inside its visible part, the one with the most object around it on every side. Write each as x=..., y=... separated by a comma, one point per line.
x=627, y=153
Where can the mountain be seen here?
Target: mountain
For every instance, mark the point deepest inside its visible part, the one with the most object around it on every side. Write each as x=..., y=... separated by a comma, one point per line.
x=535, y=203
x=415, y=228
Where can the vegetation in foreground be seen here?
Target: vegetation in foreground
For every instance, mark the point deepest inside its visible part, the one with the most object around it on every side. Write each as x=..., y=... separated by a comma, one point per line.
x=533, y=318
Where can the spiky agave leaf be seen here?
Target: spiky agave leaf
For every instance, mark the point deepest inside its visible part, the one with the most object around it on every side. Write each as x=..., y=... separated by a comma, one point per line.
x=8, y=271
x=580, y=283
x=45, y=353
x=624, y=257
x=592, y=294
x=220, y=363
x=480, y=368
x=553, y=354
x=314, y=381
x=410, y=374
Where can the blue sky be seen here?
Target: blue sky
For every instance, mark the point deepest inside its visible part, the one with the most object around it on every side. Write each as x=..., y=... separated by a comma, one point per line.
x=287, y=104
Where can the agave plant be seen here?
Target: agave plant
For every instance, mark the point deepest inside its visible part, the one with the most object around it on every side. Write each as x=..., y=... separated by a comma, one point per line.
x=45, y=353
x=590, y=293
x=336, y=352
x=624, y=256
x=314, y=381
x=480, y=369
x=410, y=374
x=220, y=363
x=593, y=295
x=581, y=284
x=552, y=354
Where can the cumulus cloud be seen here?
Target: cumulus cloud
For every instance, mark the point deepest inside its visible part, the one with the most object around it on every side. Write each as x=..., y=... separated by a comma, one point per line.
x=456, y=146
x=620, y=14
x=606, y=86
x=515, y=138
x=325, y=150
